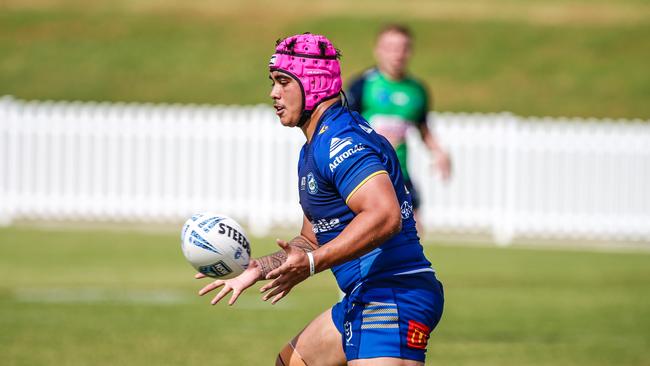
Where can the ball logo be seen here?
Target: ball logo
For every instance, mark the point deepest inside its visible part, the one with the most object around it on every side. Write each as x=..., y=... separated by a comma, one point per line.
x=210, y=223
x=199, y=241
x=218, y=269
x=238, y=253
x=235, y=235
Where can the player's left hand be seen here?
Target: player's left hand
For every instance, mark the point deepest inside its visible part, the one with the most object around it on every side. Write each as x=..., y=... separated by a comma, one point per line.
x=237, y=285
x=443, y=163
x=293, y=271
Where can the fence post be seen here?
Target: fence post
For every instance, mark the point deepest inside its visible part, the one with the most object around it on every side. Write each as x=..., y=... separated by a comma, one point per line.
x=6, y=104
x=503, y=226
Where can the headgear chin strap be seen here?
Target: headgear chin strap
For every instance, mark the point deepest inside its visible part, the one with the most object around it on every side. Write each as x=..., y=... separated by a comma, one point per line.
x=312, y=61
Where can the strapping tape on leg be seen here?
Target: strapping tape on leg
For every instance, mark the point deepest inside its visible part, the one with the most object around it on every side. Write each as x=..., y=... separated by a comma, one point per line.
x=289, y=356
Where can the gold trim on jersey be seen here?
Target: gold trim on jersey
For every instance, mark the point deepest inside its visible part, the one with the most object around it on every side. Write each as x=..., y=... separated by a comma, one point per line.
x=362, y=183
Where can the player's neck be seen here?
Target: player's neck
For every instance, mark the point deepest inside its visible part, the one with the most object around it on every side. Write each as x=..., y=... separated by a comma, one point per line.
x=310, y=126
x=395, y=76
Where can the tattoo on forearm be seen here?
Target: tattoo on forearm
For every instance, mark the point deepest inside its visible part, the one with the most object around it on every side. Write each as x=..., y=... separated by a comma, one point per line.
x=302, y=243
x=272, y=261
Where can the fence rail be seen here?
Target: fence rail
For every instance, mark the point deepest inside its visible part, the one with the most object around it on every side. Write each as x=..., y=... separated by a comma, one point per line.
x=513, y=177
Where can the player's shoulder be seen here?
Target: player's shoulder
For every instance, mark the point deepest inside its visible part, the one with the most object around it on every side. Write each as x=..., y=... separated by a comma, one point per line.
x=343, y=122
x=417, y=83
x=340, y=133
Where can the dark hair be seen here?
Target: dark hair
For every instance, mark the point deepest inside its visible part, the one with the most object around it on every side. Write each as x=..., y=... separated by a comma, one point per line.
x=397, y=28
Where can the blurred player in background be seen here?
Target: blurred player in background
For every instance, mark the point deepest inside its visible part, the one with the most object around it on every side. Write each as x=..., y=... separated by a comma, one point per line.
x=358, y=222
x=392, y=101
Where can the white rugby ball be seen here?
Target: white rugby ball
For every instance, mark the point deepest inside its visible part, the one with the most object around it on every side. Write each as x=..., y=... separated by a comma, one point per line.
x=215, y=245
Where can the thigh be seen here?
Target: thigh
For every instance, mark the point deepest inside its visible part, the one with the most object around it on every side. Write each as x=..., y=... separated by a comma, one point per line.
x=389, y=324
x=384, y=361
x=319, y=344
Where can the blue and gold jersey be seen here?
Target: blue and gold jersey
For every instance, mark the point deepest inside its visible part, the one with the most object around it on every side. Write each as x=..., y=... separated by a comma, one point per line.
x=342, y=155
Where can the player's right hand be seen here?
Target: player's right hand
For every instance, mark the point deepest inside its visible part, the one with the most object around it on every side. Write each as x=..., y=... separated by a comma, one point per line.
x=237, y=285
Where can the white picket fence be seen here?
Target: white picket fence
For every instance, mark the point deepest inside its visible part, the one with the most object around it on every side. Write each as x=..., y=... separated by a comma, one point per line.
x=513, y=177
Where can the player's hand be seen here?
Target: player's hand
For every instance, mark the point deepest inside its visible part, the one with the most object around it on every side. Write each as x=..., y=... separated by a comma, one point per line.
x=293, y=271
x=443, y=163
x=237, y=285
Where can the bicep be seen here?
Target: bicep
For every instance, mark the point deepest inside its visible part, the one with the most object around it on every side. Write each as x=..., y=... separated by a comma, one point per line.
x=376, y=194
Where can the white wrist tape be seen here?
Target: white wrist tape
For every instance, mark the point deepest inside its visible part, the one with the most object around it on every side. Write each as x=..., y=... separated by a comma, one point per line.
x=312, y=268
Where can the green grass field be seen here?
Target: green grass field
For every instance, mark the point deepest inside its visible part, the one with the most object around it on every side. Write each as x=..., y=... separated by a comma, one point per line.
x=561, y=57
x=93, y=297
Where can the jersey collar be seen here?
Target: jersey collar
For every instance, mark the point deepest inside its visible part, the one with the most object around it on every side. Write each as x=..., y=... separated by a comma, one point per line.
x=328, y=114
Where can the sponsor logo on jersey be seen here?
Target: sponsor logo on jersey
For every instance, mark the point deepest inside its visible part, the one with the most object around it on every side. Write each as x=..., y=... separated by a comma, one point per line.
x=346, y=154
x=400, y=98
x=323, y=129
x=407, y=209
x=312, y=185
x=325, y=225
x=348, y=333
x=417, y=335
x=303, y=183
x=337, y=144
x=365, y=127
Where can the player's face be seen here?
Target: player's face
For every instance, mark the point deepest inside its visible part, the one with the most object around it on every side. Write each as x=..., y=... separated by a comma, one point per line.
x=392, y=52
x=287, y=98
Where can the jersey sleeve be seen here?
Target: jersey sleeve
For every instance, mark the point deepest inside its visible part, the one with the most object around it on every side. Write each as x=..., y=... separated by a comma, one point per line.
x=349, y=160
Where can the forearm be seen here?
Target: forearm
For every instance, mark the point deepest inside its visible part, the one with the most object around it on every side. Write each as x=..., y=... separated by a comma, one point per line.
x=272, y=261
x=431, y=142
x=366, y=231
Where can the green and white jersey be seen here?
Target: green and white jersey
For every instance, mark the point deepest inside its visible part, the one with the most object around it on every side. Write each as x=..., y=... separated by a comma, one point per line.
x=391, y=107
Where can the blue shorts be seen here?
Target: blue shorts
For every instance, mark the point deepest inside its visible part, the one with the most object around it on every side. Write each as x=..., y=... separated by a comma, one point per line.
x=390, y=318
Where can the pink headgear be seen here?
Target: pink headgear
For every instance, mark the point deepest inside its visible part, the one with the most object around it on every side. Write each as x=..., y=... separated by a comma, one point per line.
x=312, y=60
